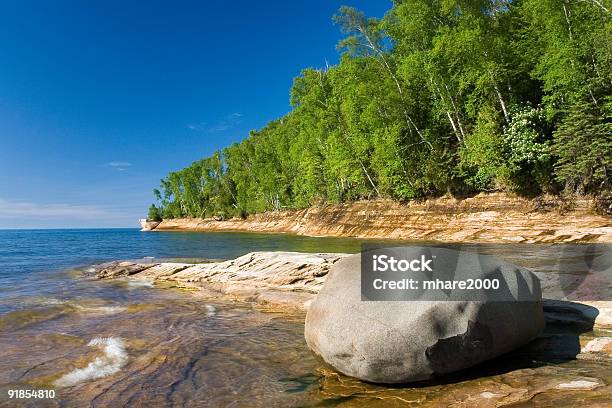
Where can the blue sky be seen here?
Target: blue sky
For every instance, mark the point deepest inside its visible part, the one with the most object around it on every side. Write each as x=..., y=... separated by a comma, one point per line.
x=99, y=100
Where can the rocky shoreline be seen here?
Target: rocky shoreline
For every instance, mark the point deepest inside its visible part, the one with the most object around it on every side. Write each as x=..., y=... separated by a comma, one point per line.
x=293, y=279
x=283, y=281
x=494, y=217
x=277, y=279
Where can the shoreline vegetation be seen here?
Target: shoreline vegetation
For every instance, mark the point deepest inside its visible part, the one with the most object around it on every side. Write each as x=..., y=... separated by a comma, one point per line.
x=492, y=217
x=435, y=98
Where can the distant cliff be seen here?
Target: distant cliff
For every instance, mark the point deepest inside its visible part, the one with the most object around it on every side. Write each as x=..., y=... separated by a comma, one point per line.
x=483, y=218
x=146, y=225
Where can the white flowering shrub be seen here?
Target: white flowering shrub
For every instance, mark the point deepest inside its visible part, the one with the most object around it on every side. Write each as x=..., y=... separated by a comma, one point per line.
x=524, y=139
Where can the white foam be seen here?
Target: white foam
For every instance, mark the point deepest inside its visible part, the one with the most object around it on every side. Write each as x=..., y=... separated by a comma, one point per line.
x=111, y=362
x=210, y=310
x=52, y=301
x=100, y=309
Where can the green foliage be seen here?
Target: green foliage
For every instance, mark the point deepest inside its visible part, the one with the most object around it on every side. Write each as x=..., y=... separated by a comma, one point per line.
x=438, y=96
x=482, y=158
x=154, y=213
x=583, y=144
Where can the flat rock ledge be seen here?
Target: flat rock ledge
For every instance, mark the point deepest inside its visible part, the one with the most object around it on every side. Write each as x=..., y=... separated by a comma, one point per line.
x=293, y=279
x=278, y=279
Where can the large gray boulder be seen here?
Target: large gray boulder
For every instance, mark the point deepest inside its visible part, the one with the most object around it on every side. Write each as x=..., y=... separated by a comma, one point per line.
x=406, y=341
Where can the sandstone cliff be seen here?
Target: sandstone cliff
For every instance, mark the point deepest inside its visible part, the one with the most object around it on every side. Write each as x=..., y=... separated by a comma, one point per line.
x=483, y=218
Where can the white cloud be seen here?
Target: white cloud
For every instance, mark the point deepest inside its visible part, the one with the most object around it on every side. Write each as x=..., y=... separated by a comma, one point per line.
x=24, y=209
x=200, y=126
x=119, y=166
x=222, y=125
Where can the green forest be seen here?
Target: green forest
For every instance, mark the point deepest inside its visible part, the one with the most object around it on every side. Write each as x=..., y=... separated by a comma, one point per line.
x=438, y=97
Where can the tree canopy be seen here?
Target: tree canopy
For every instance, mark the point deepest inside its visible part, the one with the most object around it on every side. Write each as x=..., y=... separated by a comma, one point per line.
x=439, y=96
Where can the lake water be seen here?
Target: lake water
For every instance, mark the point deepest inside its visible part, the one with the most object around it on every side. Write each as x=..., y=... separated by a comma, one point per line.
x=118, y=343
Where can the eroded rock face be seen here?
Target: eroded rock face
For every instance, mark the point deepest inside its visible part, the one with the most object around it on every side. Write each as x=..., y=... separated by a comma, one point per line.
x=147, y=225
x=493, y=217
x=398, y=342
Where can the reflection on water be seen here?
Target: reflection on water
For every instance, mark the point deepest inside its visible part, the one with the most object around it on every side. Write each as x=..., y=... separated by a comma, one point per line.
x=122, y=343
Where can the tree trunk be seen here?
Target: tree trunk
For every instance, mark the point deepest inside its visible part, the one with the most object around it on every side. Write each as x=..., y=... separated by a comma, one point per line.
x=452, y=122
x=457, y=115
x=569, y=24
x=448, y=114
x=502, y=103
x=368, y=176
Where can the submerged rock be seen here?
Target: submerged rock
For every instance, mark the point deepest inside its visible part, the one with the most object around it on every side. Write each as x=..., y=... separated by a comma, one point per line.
x=582, y=384
x=117, y=269
x=405, y=341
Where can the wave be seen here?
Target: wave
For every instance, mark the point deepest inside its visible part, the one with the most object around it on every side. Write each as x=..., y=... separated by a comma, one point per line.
x=72, y=305
x=100, y=309
x=44, y=301
x=211, y=310
x=111, y=362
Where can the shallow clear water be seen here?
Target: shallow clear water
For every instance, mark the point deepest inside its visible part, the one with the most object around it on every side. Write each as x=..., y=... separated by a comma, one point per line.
x=30, y=259
x=118, y=343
